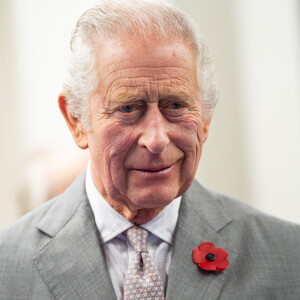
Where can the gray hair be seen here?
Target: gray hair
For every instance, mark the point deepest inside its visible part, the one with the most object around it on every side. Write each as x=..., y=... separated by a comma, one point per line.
x=140, y=18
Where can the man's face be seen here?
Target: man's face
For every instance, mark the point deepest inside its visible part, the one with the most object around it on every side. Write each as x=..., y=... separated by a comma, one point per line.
x=146, y=131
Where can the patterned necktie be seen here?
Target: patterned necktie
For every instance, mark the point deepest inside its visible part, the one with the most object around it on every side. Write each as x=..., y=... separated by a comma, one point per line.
x=142, y=279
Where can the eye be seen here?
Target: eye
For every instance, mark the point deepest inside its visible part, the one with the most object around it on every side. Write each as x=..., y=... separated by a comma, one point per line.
x=174, y=110
x=175, y=105
x=127, y=108
x=129, y=113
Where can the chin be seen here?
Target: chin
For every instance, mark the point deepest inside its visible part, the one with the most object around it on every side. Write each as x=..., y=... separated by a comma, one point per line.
x=152, y=198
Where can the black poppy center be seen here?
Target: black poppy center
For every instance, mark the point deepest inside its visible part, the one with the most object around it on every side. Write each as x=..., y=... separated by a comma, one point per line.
x=210, y=257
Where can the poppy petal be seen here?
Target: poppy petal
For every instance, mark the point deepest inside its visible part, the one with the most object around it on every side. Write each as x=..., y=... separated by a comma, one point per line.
x=207, y=247
x=222, y=266
x=219, y=252
x=198, y=256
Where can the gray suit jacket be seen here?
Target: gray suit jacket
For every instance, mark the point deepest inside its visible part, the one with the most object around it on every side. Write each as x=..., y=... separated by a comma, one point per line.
x=54, y=252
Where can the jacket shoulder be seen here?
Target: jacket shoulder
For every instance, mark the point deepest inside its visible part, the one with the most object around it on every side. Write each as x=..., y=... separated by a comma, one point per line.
x=24, y=229
x=239, y=212
x=18, y=246
x=23, y=240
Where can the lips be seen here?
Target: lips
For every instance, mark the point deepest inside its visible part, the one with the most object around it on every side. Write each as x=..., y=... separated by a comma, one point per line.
x=152, y=169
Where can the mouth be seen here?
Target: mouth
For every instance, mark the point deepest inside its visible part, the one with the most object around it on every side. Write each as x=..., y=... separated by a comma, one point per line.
x=161, y=169
x=153, y=170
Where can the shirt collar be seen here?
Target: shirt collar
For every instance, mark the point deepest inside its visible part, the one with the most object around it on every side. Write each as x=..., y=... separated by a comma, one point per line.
x=110, y=223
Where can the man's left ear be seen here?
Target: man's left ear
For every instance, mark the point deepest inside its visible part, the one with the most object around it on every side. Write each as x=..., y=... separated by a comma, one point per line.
x=79, y=134
x=205, y=129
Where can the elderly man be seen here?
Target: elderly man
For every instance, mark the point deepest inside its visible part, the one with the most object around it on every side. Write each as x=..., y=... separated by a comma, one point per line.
x=140, y=95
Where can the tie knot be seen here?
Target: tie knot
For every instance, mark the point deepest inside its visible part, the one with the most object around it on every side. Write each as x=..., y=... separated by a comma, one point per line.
x=137, y=237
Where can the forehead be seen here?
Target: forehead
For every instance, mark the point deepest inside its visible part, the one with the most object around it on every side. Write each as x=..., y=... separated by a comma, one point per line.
x=128, y=66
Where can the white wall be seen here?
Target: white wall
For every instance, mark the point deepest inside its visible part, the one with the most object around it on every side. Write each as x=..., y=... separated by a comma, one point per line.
x=34, y=41
x=254, y=144
x=268, y=51
x=9, y=133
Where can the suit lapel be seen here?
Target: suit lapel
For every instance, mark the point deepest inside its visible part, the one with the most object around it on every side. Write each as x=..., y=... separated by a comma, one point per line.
x=200, y=220
x=72, y=262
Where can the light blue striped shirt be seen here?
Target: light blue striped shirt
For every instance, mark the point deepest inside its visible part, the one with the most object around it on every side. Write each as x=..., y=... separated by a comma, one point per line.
x=117, y=250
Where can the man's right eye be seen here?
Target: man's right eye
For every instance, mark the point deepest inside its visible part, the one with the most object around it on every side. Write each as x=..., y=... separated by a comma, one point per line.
x=129, y=113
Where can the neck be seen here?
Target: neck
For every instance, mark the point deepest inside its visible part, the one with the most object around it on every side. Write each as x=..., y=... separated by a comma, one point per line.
x=138, y=216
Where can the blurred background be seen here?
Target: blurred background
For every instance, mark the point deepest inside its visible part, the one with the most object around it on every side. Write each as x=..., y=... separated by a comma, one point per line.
x=253, y=151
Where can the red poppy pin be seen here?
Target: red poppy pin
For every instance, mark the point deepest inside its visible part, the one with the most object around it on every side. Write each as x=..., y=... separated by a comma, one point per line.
x=210, y=258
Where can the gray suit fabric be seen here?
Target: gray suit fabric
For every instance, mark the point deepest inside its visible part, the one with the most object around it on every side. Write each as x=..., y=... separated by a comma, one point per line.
x=54, y=252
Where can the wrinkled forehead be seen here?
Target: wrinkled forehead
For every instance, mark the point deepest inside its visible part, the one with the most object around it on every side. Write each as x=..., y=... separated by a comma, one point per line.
x=130, y=52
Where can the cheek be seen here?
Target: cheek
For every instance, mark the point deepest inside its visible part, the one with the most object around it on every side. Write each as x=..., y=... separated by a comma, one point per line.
x=109, y=147
x=189, y=138
x=110, y=140
x=188, y=135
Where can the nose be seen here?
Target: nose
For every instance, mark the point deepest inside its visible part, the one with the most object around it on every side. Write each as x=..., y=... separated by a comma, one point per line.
x=154, y=132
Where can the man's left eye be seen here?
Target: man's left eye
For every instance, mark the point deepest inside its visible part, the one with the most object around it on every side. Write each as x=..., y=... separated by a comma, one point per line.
x=175, y=105
x=127, y=108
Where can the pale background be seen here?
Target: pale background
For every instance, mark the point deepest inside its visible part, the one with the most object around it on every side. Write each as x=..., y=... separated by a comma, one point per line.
x=253, y=149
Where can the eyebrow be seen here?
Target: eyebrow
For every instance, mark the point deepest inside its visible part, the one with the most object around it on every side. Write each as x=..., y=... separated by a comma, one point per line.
x=178, y=97
x=131, y=99
x=123, y=101
x=126, y=99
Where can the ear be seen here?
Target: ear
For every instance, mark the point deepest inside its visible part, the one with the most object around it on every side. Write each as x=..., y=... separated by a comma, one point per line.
x=205, y=129
x=80, y=135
